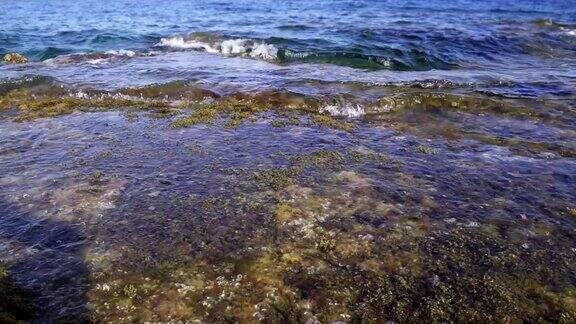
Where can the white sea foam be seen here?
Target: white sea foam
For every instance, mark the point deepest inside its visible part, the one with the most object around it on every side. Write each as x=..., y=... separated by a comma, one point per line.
x=353, y=111
x=568, y=31
x=80, y=95
x=230, y=47
x=97, y=61
x=122, y=52
x=180, y=42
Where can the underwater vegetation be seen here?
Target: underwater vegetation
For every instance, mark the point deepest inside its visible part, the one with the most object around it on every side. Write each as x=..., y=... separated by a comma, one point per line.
x=317, y=257
x=14, y=58
x=269, y=207
x=420, y=112
x=32, y=105
x=42, y=102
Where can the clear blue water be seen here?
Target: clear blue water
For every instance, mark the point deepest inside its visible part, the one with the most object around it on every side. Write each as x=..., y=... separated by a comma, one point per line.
x=529, y=43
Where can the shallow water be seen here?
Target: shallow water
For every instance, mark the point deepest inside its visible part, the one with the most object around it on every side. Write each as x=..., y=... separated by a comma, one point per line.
x=253, y=161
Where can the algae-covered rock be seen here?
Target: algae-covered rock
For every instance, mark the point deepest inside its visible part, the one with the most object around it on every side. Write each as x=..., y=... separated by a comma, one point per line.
x=14, y=58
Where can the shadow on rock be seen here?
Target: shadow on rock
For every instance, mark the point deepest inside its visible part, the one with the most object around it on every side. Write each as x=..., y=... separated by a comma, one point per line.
x=47, y=279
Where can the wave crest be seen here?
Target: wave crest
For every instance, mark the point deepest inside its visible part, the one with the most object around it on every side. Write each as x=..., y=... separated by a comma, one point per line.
x=347, y=110
x=278, y=50
x=229, y=47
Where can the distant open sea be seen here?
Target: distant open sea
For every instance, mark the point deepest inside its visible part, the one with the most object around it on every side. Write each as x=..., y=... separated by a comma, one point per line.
x=516, y=48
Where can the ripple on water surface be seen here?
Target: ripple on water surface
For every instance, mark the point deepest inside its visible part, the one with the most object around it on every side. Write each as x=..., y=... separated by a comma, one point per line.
x=129, y=214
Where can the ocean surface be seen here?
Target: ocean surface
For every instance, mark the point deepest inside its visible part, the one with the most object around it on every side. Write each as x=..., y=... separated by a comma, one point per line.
x=515, y=48
x=288, y=161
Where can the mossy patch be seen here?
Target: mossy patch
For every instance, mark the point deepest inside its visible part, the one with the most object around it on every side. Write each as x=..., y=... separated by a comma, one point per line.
x=238, y=111
x=317, y=255
x=286, y=213
x=426, y=150
x=14, y=58
x=96, y=177
x=277, y=178
x=32, y=105
x=332, y=122
x=105, y=154
x=285, y=122
x=202, y=115
x=321, y=158
x=358, y=156
x=326, y=245
x=435, y=100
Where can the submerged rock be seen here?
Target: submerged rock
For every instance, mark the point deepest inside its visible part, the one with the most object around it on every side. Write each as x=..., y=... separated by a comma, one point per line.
x=14, y=58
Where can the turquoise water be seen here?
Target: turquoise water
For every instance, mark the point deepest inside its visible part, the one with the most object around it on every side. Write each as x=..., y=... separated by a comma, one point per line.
x=288, y=161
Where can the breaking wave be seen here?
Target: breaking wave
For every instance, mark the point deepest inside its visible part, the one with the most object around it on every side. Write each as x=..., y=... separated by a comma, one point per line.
x=229, y=47
x=566, y=29
x=347, y=110
x=286, y=51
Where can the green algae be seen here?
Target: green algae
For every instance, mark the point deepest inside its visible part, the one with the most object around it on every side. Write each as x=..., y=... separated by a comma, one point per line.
x=425, y=150
x=285, y=310
x=105, y=154
x=166, y=100
x=196, y=148
x=238, y=111
x=241, y=107
x=434, y=292
x=321, y=158
x=434, y=100
x=332, y=122
x=326, y=245
x=285, y=212
x=330, y=160
x=276, y=178
x=517, y=145
x=363, y=156
x=340, y=252
x=96, y=177
x=31, y=105
x=316, y=261
x=202, y=115
x=387, y=290
x=14, y=58
x=291, y=121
